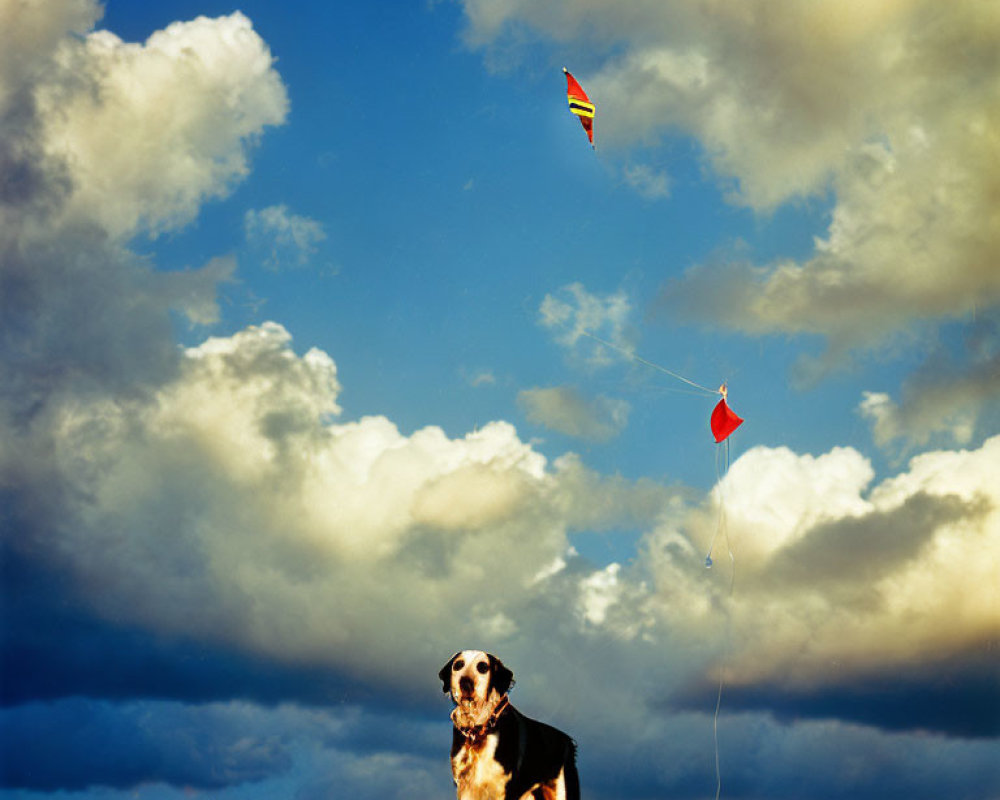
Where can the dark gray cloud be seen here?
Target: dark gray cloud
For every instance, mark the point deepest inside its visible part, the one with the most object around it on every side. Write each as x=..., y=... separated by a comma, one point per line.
x=32, y=184
x=75, y=744
x=854, y=550
x=954, y=393
x=52, y=647
x=80, y=313
x=956, y=694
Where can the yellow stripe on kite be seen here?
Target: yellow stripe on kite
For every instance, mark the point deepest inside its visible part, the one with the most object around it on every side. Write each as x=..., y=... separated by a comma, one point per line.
x=582, y=109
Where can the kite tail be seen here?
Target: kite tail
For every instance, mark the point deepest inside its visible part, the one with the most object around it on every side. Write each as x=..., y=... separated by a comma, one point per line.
x=721, y=468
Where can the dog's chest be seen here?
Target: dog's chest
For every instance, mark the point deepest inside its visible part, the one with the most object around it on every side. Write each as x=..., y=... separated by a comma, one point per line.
x=477, y=773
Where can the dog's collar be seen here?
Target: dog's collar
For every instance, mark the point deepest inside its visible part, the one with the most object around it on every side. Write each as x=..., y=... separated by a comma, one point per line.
x=476, y=732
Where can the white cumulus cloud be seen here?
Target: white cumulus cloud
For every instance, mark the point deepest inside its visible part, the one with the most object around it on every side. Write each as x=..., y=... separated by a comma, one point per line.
x=834, y=575
x=150, y=131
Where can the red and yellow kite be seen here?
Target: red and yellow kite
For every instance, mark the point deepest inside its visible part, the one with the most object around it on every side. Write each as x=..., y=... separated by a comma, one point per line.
x=580, y=105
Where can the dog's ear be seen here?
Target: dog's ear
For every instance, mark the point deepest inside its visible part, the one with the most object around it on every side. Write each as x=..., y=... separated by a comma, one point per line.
x=445, y=673
x=503, y=678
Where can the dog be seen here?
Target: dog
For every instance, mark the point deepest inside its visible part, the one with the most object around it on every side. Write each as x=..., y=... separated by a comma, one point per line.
x=497, y=753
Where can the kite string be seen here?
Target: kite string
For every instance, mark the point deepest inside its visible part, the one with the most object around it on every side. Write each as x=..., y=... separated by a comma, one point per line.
x=633, y=357
x=722, y=454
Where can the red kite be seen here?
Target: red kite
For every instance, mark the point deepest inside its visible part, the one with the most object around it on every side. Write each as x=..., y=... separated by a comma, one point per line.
x=580, y=105
x=724, y=420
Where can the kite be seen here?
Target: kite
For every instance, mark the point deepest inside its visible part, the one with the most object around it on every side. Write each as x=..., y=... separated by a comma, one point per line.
x=722, y=423
x=724, y=420
x=580, y=105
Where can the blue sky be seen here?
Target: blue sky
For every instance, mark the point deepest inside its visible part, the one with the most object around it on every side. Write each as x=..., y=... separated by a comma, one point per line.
x=298, y=398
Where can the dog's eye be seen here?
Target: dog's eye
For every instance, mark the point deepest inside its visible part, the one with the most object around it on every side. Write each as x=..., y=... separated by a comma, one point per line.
x=482, y=667
x=458, y=665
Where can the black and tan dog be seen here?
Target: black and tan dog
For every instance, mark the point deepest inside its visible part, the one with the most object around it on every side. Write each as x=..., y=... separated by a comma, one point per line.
x=497, y=753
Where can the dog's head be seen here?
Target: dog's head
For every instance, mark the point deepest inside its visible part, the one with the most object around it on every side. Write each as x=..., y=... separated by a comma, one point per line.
x=475, y=678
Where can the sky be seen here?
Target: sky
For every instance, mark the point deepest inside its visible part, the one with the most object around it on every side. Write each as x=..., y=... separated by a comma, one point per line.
x=330, y=347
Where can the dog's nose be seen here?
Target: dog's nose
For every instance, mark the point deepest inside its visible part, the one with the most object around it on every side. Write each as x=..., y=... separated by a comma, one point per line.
x=465, y=684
